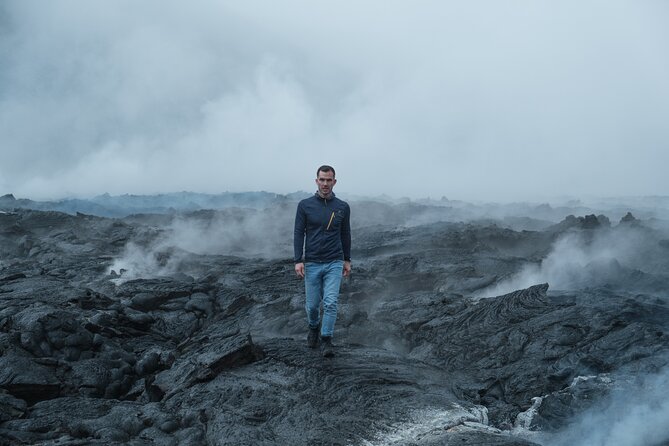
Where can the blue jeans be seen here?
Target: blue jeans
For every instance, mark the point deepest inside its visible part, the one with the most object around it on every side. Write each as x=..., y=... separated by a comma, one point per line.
x=321, y=282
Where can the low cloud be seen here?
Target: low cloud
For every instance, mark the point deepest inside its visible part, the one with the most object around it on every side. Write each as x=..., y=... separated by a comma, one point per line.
x=468, y=100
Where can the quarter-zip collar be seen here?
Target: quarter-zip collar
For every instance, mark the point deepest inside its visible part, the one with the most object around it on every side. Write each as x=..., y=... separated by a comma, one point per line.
x=325, y=199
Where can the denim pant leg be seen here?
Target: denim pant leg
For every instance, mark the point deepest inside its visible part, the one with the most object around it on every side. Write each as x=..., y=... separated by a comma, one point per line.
x=331, y=281
x=313, y=287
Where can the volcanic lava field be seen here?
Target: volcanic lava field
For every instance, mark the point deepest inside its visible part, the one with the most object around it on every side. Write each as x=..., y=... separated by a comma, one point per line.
x=188, y=328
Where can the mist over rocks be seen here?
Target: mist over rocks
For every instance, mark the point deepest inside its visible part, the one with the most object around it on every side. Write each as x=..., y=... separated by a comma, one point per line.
x=188, y=328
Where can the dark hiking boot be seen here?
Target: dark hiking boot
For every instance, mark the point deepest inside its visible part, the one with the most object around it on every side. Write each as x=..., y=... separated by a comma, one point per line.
x=327, y=348
x=312, y=338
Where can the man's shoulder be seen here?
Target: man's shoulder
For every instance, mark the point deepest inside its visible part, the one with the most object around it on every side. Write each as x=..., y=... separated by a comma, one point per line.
x=307, y=200
x=341, y=202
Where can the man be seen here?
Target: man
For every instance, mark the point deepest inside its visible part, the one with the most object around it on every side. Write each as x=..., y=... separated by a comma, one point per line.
x=324, y=220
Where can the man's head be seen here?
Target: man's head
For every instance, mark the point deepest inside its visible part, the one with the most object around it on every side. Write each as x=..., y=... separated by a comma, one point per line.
x=325, y=180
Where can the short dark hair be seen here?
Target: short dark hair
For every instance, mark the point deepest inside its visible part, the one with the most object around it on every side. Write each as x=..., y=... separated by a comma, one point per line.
x=326, y=168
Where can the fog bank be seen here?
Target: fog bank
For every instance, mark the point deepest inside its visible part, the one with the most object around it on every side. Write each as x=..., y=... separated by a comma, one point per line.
x=469, y=100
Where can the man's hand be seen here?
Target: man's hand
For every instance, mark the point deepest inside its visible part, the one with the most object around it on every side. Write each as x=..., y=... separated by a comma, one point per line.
x=299, y=270
x=347, y=268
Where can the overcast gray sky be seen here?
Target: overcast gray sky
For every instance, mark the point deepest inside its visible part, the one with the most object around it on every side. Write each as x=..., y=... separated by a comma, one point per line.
x=470, y=99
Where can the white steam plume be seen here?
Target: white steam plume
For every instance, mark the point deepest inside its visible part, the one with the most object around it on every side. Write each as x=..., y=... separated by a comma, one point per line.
x=234, y=232
x=634, y=416
x=581, y=259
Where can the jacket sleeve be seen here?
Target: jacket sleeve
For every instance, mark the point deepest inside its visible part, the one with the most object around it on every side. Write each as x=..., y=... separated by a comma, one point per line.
x=346, y=234
x=298, y=236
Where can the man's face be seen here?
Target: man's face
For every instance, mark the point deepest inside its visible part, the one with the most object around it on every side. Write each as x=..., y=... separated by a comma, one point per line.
x=325, y=182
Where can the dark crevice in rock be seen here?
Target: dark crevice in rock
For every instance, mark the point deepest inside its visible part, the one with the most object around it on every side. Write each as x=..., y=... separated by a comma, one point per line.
x=33, y=393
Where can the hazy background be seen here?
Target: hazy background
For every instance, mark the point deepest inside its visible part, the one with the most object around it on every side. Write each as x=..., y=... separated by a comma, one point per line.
x=475, y=100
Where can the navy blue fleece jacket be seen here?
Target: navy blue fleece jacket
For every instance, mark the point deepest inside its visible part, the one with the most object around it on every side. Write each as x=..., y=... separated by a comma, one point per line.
x=326, y=225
